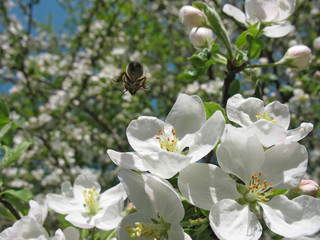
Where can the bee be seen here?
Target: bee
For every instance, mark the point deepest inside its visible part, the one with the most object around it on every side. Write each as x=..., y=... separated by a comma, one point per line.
x=133, y=78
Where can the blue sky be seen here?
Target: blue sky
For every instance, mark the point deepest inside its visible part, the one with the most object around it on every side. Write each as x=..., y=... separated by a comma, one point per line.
x=41, y=12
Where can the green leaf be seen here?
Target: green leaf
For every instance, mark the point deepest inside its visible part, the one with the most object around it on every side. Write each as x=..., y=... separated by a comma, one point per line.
x=23, y=194
x=234, y=87
x=255, y=46
x=242, y=39
x=6, y=213
x=4, y=112
x=21, y=206
x=13, y=154
x=212, y=107
x=279, y=192
x=5, y=129
x=196, y=60
x=258, y=90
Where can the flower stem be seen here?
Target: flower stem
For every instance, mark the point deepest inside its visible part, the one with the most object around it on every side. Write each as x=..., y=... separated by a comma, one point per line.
x=93, y=233
x=196, y=222
x=264, y=65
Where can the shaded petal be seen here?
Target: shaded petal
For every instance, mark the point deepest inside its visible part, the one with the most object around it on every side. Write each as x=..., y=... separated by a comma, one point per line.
x=164, y=164
x=83, y=220
x=82, y=182
x=299, y=133
x=71, y=233
x=176, y=233
x=268, y=133
x=142, y=133
x=277, y=31
x=111, y=217
x=286, y=9
x=128, y=160
x=229, y=220
x=279, y=112
x=234, y=12
x=240, y=153
x=285, y=165
x=205, y=184
x=187, y=115
x=244, y=111
x=25, y=228
x=38, y=210
x=134, y=186
x=112, y=195
x=292, y=218
x=58, y=235
x=204, y=140
x=62, y=204
x=165, y=199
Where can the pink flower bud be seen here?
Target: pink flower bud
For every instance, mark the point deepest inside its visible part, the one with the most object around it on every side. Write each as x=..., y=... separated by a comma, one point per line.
x=191, y=16
x=201, y=37
x=308, y=187
x=298, y=57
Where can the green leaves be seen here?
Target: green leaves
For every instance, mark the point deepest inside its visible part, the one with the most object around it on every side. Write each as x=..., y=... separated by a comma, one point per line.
x=22, y=194
x=212, y=107
x=4, y=112
x=13, y=154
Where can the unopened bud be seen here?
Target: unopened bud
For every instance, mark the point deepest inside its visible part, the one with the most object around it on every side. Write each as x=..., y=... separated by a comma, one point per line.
x=297, y=57
x=308, y=187
x=191, y=16
x=316, y=43
x=201, y=37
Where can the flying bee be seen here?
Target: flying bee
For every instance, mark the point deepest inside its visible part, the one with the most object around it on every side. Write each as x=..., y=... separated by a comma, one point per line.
x=133, y=78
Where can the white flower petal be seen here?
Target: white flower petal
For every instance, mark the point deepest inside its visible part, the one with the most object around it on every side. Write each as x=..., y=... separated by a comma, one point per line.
x=114, y=194
x=240, y=153
x=244, y=111
x=164, y=164
x=71, y=233
x=187, y=115
x=232, y=221
x=128, y=160
x=62, y=204
x=134, y=186
x=299, y=133
x=176, y=233
x=285, y=165
x=58, y=235
x=234, y=12
x=278, y=31
x=299, y=217
x=67, y=189
x=83, y=220
x=279, y=112
x=111, y=217
x=142, y=133
x=165, y=199
x=38, y=210
x=204, y=140
x=205, y=184
x=268, y=133
x=25, y=228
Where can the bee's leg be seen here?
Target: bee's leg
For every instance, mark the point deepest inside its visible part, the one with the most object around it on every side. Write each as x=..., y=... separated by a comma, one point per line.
x=120, y=78
x=144, y=83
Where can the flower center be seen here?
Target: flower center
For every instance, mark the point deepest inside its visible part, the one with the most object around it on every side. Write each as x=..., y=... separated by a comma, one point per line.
x=259, y=190
x=90, y=197
x=156, y=230
x=168, y=142
x=266, y=117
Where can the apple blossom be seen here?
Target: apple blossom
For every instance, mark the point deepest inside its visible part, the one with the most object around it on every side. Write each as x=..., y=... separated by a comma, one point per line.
x=297, y=57
x=316, y=43
x=235, y=205
x=300, y=100
x=268, y=12
x=191, y=16
x=85, y=207
x=200, y=37
x=159, y=208
x=269, y=123
x=30, y=227
x=164, y=148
